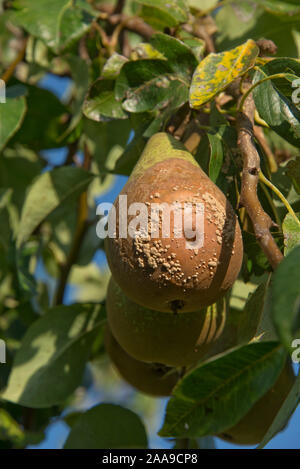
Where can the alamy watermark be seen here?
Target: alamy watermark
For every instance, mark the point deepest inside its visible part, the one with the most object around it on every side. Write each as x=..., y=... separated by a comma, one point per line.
x=2, y=92
x=2, y=351
x=152, y=220
x=296, y=93
x=296, y=352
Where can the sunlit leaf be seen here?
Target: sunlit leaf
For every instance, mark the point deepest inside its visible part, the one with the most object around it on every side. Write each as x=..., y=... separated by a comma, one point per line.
x=240, y=21
x=291, y=232
x=113, y=66
x=160, y=14
x=57, y=22
x=47, y=192
x=101, y=104
x=217, y=71
x=178, y=54
x=50, y=362
x=279, y=7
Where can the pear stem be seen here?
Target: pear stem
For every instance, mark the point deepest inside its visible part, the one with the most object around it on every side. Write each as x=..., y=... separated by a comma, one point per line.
x=279, y=194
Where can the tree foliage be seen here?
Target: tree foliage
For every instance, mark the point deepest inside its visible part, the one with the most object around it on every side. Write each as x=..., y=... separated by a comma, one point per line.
x=134, y=68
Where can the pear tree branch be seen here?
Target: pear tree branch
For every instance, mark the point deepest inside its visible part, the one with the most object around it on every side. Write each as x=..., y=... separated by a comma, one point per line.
x=11, y=69
x=250, y=177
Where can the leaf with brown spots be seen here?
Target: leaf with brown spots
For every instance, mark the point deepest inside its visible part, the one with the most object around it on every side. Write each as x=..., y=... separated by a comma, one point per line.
x=217, y=71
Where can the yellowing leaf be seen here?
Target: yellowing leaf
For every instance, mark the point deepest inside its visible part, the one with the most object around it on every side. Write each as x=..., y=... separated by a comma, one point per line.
x=217, y=71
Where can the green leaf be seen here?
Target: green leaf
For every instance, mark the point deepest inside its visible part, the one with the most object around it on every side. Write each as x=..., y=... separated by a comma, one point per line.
x=217, y=394
x=5, y=196
x=217, y=71
x=80, y=76
x=293, y=171
x=72, y=418
x=130, y=155
x=27, y=281
x=144, y=50
x=279, y=7
x=12, y=114
x=266, y=331
x=18, y=168
x=277, y=110
x=50, y=362
x=106, y=140
x=90, y=282
x=41, y=18
x=113, y=66
x=163, y=92
x=204, y=4
x=291, y=69
x=48, y=114
x=216, y=155
x=291, y=232
x=285, y=291
x=75, y=22
x=48, y=191
x=196, y=44
x=160, y=14
x=9, y=429
x=180, y=56
x=146, y=85
x=107, y=426
x=57, y=22
x=127, y=160
x=286, y=410
x=241, y=20
x=250, y=323
x=101, y=104
x=135, y=73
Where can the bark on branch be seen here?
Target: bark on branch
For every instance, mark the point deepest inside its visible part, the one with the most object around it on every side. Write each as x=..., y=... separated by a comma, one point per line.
x=134, y=23
x=249, y=199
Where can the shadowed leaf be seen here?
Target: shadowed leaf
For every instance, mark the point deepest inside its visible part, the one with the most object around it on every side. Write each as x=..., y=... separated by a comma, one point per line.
x=284, y=413
x=286, y=297
x=12, y=114
x=217, y=394
x=50, y=362
x=107, y=426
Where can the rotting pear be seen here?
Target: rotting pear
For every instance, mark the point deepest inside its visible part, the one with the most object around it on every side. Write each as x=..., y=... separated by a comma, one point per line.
x=170, y=273
x=253, y=426
x=150, y=378
x=153, y=336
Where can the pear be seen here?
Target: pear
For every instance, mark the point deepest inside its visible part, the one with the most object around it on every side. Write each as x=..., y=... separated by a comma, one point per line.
x=183, y=269
x=150, y=378
x=153, y=336
x=254, y=425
